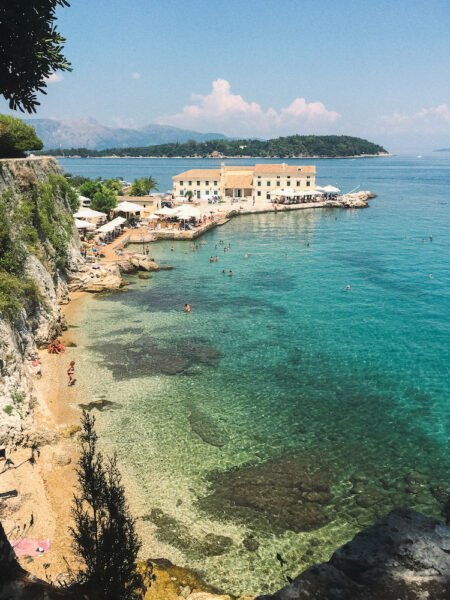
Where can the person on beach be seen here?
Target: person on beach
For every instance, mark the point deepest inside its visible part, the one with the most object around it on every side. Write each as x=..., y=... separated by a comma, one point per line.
x=147, y=250
x=187, y=308
x=71, y=372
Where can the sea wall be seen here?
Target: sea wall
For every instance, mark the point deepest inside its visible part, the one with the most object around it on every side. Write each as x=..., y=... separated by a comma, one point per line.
x=40, y=319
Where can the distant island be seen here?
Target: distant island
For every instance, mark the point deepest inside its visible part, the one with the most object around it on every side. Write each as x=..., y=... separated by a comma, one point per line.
x=294, y=146
x=442, y=150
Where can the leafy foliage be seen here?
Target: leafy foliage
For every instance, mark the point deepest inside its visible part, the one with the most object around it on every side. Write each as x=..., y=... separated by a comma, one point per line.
x=104, y=200
x=104, y=536
x=15, y=293
x=30, y=50
x=16, y=137
x=143, y=186
x=283, y=147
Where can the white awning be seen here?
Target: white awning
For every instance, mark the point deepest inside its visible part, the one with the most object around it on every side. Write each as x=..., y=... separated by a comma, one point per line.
x=330, y=189
x=128, y=207
x=107, y=227
x=88, y=213
x=79, y=224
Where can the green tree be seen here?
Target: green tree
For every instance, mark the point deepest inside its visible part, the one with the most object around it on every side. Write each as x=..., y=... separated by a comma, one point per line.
x=143, y=186
x=16, y=137
x=30, y=50
x=189, y=195
x=104, y=200
x=90, y=187
x=104, y=536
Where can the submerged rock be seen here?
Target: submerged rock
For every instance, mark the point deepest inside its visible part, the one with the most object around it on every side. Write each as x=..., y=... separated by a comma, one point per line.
x=403, y=556
x=175, y=533
x=206, y=428
x=281, y=494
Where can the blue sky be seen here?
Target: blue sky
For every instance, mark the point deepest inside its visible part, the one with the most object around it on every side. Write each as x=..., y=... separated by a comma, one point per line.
x=375, y=68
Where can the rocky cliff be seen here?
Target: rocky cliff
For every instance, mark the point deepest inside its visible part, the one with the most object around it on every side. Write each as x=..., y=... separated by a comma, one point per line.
x=405, y=556
x=39, y=249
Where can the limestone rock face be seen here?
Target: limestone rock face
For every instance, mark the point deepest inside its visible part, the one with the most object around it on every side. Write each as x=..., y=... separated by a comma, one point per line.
x=99, y=279
x=42, y=320
x=143, y=263
x=405, y=556
x=356, y=199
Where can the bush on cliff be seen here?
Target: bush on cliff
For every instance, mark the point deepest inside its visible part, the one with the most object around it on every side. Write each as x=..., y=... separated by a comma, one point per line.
x=16, y=138
x=104, y=536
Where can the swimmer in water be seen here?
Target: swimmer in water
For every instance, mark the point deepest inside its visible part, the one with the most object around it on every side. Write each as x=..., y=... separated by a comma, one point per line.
x=172, y=248
x=187, y=308
x=246, y=255
x=348, y=288
x=230, y=273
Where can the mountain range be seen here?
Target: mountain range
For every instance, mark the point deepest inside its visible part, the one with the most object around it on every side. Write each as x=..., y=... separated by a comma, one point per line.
x=89, y=133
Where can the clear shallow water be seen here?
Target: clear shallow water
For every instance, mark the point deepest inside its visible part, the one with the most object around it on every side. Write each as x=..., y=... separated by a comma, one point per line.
x=279, y=385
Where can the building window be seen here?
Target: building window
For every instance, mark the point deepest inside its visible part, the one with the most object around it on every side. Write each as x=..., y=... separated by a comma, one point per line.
x=278, y=183
x=181, y=183
x=259, y=176
x=308, y=183
x=259, y=183
x=268, y=183
x=215, y=193
x=268, y=196
x=298, y=183
x=198, y=195
x=259, y=193
x=189, y=182
x=215, y=183
x=181, y=192
x=198, y=182
x=278, y=177
x=288, y=176
x=207, y=182
x=207, y=193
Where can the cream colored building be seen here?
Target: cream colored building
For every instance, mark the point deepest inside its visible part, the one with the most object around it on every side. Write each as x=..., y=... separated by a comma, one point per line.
x=259, y=183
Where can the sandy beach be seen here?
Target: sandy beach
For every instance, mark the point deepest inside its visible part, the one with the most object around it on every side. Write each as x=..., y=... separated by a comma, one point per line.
x=45, y=486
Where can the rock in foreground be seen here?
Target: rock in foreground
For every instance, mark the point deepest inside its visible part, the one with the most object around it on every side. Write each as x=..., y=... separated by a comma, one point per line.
x=405, y=556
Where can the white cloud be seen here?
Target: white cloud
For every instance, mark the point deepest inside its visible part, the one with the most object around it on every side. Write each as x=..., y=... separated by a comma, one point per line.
x=223, y=111
x=136, y=75
x=426, y=120
x=54, y=78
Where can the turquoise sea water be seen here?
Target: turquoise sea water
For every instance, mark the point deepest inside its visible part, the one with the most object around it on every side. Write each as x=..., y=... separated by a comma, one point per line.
x=283, y=413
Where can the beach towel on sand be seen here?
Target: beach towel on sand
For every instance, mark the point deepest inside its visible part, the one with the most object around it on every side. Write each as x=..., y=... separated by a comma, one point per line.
x=29, y=546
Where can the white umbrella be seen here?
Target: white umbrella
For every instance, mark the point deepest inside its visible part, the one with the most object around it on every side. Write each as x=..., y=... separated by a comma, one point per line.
x=88, y=213
x=312, y=193
x=188, y=212
x=287, y=192
x=166, y=212
x=330, y=189
x=79, y=224
x=152, y=217
x=128, y=207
